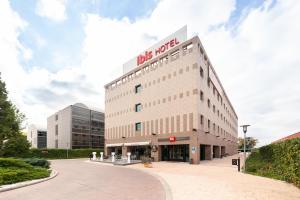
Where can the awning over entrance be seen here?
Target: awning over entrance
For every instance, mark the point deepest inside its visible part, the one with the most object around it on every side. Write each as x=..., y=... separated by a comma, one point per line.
x=137, y=143
x=114, y=145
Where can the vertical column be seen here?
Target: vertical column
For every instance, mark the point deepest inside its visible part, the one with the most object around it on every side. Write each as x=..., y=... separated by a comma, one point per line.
x=124, y=150
x=194, y=151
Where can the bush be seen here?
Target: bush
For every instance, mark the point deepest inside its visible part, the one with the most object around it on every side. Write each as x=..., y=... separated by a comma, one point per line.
x=280, y=161
x=146, y=159
x=16, y=163
x=38, y=162
x=14, y=170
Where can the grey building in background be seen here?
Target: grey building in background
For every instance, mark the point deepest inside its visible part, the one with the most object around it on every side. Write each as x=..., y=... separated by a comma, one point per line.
x=75, y=127
x=37, y=137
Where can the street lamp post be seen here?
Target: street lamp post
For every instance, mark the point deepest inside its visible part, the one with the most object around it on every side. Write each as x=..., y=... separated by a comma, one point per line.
x=67, y=149
x=245, y=131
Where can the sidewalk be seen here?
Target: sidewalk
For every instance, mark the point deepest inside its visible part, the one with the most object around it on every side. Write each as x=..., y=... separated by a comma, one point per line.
x=218, y=179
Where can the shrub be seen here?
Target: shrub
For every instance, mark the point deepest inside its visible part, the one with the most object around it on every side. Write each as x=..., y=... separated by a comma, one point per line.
x=15, y=170
x=146, y=159
x=59, y=153
x=11, y=162
x=39, y=162
x=280, y=161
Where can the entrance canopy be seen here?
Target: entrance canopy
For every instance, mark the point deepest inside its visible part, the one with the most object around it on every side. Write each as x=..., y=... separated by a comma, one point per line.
x=137, y=143
x=114, y=145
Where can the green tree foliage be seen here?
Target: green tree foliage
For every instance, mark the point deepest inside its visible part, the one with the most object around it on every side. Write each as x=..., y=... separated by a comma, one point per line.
x=16, y=146
x=10, y=117
x=250, y=143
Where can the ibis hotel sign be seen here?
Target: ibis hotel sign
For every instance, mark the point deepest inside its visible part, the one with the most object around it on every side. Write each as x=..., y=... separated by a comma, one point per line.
x=148, y=55
x=164, y=45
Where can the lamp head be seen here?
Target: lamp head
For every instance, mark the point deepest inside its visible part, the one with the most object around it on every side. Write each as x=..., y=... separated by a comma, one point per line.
x=245, y=128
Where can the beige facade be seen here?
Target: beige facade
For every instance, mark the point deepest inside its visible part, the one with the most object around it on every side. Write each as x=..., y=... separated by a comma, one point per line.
x=181, y=99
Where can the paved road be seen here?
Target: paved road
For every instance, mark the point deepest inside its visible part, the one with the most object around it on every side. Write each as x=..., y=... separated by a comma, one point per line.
x=79, y=180
x=219, y=180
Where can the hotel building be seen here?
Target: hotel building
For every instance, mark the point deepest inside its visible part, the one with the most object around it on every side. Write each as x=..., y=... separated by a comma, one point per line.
x=170, y=103
x=75, y=127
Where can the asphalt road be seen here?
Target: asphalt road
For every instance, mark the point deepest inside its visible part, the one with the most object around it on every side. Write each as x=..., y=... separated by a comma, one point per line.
x=79, y=180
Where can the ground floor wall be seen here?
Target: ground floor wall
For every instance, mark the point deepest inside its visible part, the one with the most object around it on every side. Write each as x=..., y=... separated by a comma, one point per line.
x=189, y=147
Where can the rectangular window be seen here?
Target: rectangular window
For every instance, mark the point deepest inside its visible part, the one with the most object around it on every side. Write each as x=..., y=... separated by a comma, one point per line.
x=138, y=126
x=208, y=103
x=56, y=117
x=56, y=129
x=208, y=124
x=56, y=144
x=201, y=119
x=138, y=107
x=201, y=96
x=138, y=88
x=201, y=72
x=214, y=108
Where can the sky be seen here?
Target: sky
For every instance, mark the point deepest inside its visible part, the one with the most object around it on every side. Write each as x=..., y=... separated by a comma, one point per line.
x=58, y=52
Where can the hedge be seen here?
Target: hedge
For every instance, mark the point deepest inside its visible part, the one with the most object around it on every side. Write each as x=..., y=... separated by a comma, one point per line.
x=59, y=153
x=15, y=170
x=279, y=160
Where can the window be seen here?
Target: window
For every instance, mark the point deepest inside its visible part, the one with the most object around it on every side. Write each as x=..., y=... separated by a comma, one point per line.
x=56, y=143
x=201, y=119
x=201, y=96
x=56, y=117
x=208, y=103
x=56, y=129
x=138, y=107
x=138, y=88
x=201, y=72
x=214, y=108
x=208, y=124
x=138, y=126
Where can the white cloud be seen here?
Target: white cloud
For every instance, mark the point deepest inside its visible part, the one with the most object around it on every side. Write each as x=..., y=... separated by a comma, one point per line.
x=258, y=66
x=52, y=9
x=256, y=61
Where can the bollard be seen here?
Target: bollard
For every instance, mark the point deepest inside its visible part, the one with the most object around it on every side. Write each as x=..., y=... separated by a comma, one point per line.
x=94, y=155
x=113, y=156
x=128, y=157
x=101, y=156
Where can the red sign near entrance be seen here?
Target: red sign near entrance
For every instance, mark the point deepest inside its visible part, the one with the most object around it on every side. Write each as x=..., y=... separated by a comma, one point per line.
x=172, y=139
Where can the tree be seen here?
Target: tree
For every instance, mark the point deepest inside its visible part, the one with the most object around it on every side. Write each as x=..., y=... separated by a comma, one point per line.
x=16, y=146
x=10, y=117
x=250, y=143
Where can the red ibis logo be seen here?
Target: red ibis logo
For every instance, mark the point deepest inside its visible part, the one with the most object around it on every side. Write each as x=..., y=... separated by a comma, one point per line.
x=149, y=54
x=172, y=139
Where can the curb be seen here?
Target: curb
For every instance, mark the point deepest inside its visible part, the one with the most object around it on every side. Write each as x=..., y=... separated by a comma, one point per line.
x=164, y=183
x=5, y=188
x=167, y=188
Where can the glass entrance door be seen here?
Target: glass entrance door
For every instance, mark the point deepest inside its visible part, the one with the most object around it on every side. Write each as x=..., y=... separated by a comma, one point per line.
x=175, y=152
